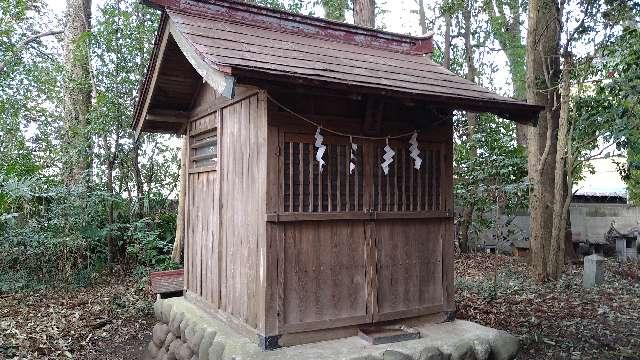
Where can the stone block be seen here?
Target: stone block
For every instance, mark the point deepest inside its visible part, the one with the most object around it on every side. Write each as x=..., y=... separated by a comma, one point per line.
x=193, y=337
x=462, y=350
x=482, y=349
x=431, y=353
x=167, y=307
x=216, y=351
x=160, y=332
x=207, y=340
x=169, y=341
x=395, y=355
x=504, y=346
x=184, y=352
x=593, y=274
x=157, y=309
x=174, y=324
x=184, y=326
x=175, y=345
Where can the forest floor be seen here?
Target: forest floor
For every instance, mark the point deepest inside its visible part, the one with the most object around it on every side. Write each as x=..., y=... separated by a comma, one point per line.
x=112, y=318
x=559, y=320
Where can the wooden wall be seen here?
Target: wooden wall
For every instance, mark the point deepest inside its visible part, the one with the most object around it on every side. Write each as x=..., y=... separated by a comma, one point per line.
x=345, y=257
x=226, y=207
x=202, y=228
x=243, y=168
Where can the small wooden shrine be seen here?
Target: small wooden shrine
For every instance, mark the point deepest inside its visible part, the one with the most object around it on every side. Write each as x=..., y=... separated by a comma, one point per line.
x=319, y=191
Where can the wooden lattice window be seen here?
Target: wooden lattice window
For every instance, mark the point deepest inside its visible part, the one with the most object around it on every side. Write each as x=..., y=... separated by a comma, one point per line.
x=405, y=188
x=204, y=150
x=306, y=190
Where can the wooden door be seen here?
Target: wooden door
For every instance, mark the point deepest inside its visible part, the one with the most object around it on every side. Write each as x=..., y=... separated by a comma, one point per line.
x=358, y=247
x=409, y=226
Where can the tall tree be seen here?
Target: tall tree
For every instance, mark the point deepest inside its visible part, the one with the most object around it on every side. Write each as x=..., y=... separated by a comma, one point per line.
x=505, y=18
x=543, y=72
x=364, y=13
x=77, y=91
x=472, y=118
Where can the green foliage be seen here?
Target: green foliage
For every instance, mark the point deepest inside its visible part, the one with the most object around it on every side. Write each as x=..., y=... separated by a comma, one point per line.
x=499, y=170
x=52, y=233
x=335, y=9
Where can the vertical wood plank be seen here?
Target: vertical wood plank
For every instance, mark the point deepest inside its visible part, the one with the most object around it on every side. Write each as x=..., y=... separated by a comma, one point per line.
x=395, y=182
x=301, y=177
x=330, y=179
x=291, y=184
x=419, y=189
x=404, y=180
x=311, y=198
x=320, y=198
x=338, y=179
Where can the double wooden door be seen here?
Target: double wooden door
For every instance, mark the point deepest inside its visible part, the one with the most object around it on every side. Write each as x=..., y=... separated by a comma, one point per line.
x=360, y=246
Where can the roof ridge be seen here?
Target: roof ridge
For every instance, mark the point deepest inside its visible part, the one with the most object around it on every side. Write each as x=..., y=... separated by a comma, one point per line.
x=284, y=21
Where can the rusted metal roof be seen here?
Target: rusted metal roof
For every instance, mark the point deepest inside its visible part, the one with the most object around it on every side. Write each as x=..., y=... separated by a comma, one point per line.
x=243, y=40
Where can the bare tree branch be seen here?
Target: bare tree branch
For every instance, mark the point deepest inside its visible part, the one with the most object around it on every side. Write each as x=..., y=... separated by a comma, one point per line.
x=28, y=41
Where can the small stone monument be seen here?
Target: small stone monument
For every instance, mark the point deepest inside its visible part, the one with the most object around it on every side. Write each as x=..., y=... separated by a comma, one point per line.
x=593, y=271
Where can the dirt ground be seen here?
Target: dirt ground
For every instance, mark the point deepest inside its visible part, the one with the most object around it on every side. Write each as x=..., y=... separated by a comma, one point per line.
x=559, y=320
x=112, y=319
x=109, y=320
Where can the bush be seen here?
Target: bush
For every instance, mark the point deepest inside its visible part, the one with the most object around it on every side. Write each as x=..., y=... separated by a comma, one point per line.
x=55, y=234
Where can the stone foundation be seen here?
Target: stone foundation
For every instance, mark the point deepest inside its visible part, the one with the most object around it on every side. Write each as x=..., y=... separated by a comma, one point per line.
x=185, y=332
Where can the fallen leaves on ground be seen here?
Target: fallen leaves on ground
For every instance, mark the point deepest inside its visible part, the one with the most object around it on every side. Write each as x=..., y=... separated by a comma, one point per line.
x=108, y=320
x=556, y=320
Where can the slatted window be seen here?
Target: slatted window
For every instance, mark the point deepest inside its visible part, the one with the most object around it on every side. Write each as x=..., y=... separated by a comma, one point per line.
x=405, y=188
x=306, y=190
x=204, y=150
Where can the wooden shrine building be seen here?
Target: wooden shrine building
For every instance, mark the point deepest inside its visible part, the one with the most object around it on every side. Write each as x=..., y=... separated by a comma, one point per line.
x=281, y=251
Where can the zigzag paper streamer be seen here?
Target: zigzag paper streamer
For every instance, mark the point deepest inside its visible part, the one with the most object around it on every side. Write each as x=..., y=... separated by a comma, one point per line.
x=352, y=162
x=388, y=157
x=415, y=151
x=321, y=149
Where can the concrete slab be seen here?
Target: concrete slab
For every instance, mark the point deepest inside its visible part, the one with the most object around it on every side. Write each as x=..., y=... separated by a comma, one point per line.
x=453, y=340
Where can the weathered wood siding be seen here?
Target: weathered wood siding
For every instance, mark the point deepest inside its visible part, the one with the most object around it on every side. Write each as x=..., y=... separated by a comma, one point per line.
x=358, y=248
x=226, y=206
x=202, y=236
x=243, y=167
x=324, y=282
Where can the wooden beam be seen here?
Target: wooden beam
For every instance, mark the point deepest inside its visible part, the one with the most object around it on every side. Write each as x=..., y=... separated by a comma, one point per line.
x=152, y=84
x=168, y=116
x=224, y=84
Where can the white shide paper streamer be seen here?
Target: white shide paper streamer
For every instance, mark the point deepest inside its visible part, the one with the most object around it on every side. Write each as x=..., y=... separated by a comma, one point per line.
x=321, y=149
x=352, y=162
x=388, y=158
x=415, y=152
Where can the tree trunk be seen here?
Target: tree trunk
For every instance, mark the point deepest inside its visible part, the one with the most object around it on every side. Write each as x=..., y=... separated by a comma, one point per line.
x=137, y=176
x=176, y=254
x=423, y=17
x=364, y=13
x=556, y=261
x=77, y=92
x=543, y=42
x=446, y=62
x=472, y=118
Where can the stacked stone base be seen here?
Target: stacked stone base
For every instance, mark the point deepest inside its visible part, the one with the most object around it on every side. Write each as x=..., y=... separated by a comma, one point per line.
x=186, y=332
x=181, y=335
